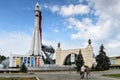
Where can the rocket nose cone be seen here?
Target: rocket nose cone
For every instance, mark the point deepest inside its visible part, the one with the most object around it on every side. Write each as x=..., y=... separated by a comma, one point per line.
x=37, y=4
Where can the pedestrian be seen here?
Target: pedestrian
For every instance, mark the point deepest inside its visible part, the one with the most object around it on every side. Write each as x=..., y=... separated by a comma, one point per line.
x=87, y=71
x=82, y=70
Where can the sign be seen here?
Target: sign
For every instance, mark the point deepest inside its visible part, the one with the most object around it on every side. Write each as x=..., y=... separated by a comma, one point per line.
x=38, y=61
x=17, y=61
x=32, y=61
x=25, y=60
x=72, y=57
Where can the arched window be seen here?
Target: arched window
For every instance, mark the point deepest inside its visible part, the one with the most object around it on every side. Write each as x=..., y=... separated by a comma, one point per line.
x=70, y=59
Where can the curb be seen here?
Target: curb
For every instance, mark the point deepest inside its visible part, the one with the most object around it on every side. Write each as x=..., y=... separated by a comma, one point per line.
x=37, y=78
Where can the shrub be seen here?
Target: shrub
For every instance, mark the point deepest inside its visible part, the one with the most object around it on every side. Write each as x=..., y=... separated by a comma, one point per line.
x=23, y=68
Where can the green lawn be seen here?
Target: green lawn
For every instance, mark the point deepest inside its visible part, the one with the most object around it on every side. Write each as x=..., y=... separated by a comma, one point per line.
x=112, y=75
x=18, y=78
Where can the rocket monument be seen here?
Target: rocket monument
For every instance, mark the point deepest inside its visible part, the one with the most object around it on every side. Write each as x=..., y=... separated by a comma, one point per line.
x=34, y=58
x=35, y=49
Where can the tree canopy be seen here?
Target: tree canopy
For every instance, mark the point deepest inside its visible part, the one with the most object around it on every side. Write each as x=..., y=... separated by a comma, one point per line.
x=2, y=58
x=79, y=61
x=103, y=62
x=23, y=68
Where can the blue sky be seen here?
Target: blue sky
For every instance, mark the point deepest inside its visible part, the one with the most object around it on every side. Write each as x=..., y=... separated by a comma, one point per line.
x=70, y=22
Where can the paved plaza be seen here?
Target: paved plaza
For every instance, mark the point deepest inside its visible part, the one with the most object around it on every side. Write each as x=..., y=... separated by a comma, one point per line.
x=75, y=76
x=63, y=75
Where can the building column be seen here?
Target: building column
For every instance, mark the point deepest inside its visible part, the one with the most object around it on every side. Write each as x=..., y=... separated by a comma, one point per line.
x=58, y=56
x=32, y=61
x=11, y=61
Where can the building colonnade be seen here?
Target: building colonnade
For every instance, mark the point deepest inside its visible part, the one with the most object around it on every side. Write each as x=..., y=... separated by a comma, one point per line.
x=29, y=61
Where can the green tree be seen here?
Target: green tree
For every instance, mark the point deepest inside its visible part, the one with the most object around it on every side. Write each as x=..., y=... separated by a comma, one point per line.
x=79, y=61
x=2, y=58
x=23, y=68
x=103, y=62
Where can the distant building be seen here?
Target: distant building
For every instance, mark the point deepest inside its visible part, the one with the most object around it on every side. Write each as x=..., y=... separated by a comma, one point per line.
x=115, y=61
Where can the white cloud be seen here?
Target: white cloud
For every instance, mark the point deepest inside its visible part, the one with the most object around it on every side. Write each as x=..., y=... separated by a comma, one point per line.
x=55, y=30
x=85, y=29
x=108, y=11
x=18, y=43
x=81, y=1
x=114, y=47
x=106, y=28
x=113, y=44
x=46, y=6
x=69, y=10
x=14, y=42
x=72, y=10
x=54, y=8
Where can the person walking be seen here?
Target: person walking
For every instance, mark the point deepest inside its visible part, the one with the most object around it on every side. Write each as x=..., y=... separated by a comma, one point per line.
x=87, y=71
x=82, y=72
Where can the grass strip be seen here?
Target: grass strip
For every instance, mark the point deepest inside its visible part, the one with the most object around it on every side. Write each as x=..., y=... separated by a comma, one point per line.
x=17, y=78
x=112, y=75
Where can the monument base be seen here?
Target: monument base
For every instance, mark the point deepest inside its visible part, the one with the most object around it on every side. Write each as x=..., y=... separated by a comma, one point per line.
x=50, y=67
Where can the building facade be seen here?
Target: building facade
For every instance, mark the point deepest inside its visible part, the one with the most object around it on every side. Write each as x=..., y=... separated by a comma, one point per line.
x=87, y=53
x=115, y=62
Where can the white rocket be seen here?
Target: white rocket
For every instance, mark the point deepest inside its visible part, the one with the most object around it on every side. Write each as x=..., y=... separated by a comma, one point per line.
x=37, y=33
